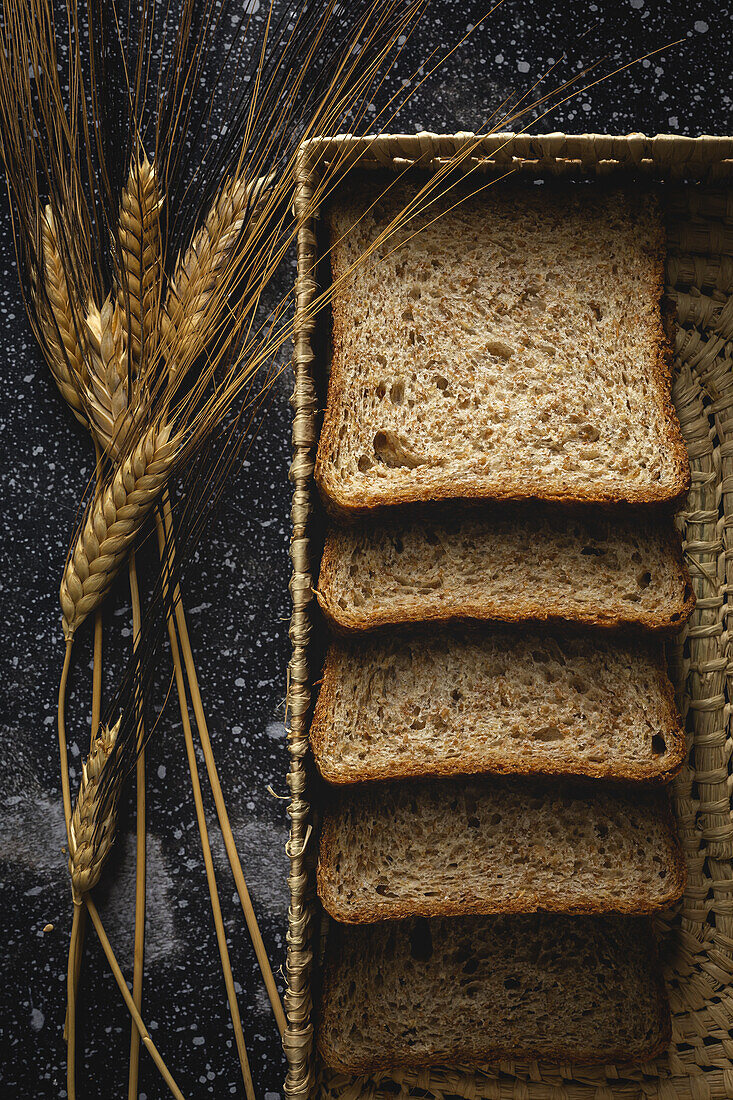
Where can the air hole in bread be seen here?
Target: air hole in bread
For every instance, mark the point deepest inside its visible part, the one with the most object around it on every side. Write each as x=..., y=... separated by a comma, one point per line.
x=593, y=551
x=364, y=464
x=397, y=392
x=644, y=579
x=659, y=745
x=394, y=452
x=498, y=349
x=421, y=940
x=381, y=390
x=511, y=983
x=548, y=733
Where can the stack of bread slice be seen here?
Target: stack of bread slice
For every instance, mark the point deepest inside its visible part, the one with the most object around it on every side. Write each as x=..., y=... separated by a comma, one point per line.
x=501, y=461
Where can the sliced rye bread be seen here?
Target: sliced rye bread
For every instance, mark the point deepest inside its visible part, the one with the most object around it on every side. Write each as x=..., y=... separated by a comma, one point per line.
x=454, y=847
x=513, y=349
x=496, y=699
x=506, y=564
x=478, y=989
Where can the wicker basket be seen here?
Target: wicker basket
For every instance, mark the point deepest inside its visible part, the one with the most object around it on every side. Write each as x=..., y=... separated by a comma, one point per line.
x=697, y=939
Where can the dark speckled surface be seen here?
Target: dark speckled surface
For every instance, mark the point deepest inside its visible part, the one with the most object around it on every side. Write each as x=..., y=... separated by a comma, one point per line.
x=238, y=606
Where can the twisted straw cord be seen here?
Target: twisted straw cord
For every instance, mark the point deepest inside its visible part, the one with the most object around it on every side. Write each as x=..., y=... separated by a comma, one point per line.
x=192, y=286
x=106, y=395
x=140, y=255
x=61, y=344
x=112, y=522
x=91, y=835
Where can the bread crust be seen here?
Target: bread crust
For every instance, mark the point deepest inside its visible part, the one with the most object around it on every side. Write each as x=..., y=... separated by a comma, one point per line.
x=348, y=620
x=529, y=902
x=383, y=1061
x=495, y=764
x=350, y=506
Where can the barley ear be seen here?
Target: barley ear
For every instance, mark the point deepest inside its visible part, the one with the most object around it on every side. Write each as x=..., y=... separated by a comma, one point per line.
x=198, y=269
x=106, y=393
x=93, y=822
x=139, y=262
x=61, y=344
x=111, y=524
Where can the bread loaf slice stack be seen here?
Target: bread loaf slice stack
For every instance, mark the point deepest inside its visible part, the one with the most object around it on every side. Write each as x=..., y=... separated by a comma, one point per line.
x=501, y=460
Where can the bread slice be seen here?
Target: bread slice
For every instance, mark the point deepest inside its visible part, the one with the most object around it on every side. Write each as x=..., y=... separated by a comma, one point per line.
x=452, y=847
x=477, y=989
x=506, y=564
x=512, y=349
x=496, y=699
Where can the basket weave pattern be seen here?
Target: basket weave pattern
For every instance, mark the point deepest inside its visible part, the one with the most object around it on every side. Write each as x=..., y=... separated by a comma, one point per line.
x=697, y=938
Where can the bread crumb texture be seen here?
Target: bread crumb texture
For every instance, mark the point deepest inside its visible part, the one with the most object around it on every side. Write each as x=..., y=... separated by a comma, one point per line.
x=507, y=564
x=503, y=699
x=488, y=845
x=527, y=320
x=421, y=992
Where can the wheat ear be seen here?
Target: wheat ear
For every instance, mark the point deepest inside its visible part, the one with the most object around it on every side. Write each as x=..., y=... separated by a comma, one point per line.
x=198, y=269
x=140, y=264
x=64, y=352
x=106, y=393
x=90, y=833
x=112, y=523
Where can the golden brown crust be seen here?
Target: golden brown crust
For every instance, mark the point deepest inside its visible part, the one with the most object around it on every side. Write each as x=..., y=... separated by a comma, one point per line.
x=343, y=507
x=495, y=764
x=364, y=913
x=345, y=620
x=383, y=1060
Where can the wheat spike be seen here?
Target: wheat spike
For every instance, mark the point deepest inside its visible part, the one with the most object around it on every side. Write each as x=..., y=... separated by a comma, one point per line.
x=106, y=394
x=191, y=288
x=64, y=352
x=140, y=263
x=91, y=834
x=112, y=522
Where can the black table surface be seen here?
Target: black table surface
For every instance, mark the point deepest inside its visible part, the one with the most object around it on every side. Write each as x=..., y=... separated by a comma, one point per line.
x=238, y=605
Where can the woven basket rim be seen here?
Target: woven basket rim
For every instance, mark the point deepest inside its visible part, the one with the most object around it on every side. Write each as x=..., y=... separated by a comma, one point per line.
x=706, y=158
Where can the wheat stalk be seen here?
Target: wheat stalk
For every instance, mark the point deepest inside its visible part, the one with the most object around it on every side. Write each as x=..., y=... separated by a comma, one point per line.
x=140, y=263
x=64, y=352
x=112, y=523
